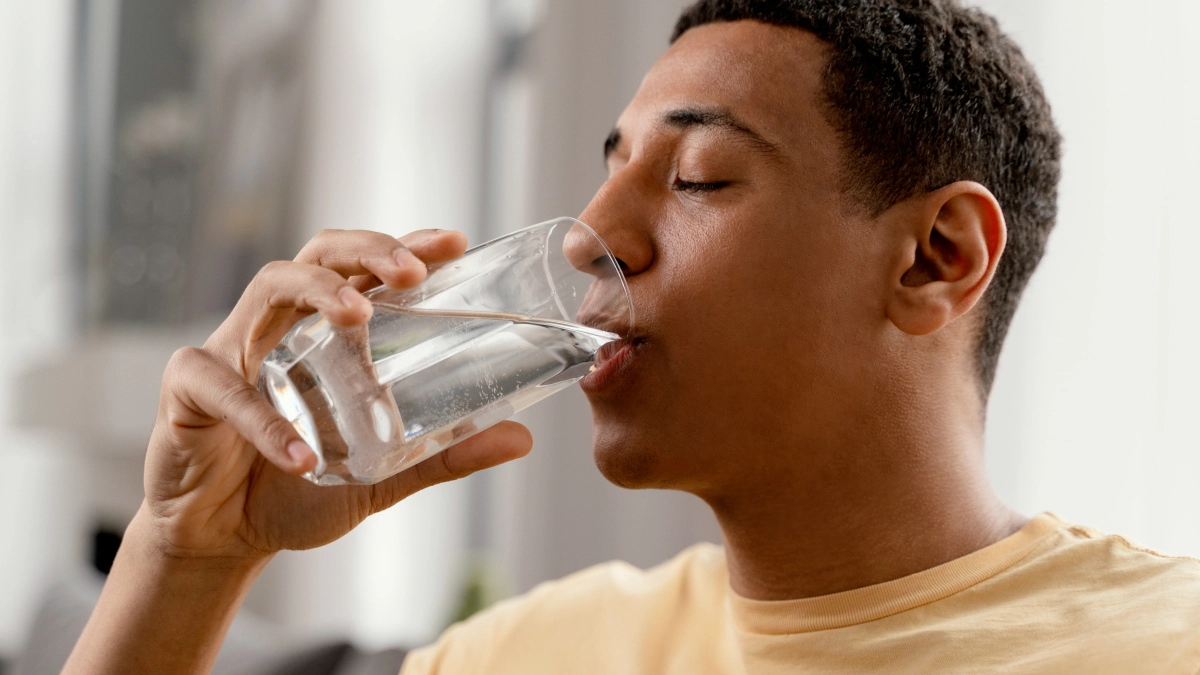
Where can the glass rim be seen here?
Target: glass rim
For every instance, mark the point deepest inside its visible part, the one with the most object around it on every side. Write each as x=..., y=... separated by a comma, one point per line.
x=553, y=222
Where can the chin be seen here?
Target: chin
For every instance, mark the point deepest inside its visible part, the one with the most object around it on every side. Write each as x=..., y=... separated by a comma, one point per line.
x=631, y=460
x=636, y=441
x=628, y=467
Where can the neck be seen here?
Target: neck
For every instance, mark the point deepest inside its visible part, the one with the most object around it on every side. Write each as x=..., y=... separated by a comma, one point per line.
x=881, y=506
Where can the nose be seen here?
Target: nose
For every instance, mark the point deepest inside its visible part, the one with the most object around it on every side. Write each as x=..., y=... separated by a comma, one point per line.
x=621, y=213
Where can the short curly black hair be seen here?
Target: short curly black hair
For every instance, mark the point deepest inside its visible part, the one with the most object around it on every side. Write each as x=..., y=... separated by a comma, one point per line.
x=924, y=93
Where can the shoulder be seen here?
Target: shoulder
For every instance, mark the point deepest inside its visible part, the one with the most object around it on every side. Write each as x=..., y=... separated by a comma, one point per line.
x=1122, y=604
x=615, y=600
x=1113, y=565
x=618, y=591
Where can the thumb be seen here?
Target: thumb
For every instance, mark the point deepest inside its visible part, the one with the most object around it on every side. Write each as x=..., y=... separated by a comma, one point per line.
x=494, y=446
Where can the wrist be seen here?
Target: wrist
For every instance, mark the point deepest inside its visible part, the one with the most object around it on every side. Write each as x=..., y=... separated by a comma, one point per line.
x=162, y=610
x=153, y=541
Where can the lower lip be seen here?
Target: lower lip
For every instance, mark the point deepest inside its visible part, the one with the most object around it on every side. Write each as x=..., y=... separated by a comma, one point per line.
x=607, y=375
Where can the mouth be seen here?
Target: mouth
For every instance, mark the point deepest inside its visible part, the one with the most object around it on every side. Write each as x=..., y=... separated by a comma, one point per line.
x=612, y=363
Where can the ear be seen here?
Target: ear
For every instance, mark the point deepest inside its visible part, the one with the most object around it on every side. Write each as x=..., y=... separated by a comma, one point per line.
x=952, y=241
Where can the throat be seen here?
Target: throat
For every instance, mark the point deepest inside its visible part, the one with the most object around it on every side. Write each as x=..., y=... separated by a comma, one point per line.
x=791, y=546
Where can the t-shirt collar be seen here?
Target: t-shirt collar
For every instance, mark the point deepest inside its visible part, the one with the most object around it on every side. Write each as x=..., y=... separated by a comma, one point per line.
x=870, y=603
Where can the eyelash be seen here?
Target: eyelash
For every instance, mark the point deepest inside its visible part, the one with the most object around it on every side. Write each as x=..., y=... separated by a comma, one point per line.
x=688, y=186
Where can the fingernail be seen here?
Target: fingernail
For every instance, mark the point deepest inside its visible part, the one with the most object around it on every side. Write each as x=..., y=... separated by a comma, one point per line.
x=350, y=297
x=299, y=452
x=405, y=258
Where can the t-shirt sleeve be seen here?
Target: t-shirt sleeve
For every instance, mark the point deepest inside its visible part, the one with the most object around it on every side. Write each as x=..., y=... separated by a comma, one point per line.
x=465, y=647
x=611, y=617
x=542, y=621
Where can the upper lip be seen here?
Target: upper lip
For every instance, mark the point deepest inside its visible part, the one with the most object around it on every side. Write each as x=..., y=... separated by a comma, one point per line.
x=611, y=349
x=618, y=325
x=605, y=311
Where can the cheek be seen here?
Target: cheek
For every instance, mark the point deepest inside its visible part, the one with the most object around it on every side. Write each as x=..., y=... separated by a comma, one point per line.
x=755, y=305
x=752, y=273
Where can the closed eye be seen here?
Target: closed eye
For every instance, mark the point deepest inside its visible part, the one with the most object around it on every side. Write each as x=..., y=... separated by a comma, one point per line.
x=681, y=185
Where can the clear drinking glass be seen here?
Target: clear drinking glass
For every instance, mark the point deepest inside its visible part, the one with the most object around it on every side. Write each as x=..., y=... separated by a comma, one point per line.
x=507, y=324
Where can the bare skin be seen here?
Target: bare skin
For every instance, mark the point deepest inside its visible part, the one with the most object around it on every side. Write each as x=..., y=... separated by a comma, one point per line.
x=803, y=366
x=222, y=488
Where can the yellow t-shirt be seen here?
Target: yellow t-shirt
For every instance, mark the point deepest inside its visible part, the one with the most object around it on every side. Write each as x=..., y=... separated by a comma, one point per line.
x=1052, y=598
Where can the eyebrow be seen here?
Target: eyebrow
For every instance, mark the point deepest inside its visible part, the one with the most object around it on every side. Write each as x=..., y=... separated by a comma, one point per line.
x=687, y=118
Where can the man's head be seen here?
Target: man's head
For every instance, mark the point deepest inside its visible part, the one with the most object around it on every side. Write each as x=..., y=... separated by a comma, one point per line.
x=924, y=93
x=811, y=200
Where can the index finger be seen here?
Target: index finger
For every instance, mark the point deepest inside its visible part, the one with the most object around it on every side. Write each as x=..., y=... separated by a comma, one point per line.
x=435, y=246
x=399, y=263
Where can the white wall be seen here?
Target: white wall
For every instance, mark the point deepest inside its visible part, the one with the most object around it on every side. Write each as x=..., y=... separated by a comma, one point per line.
x=39, y=532
x=1094, y=409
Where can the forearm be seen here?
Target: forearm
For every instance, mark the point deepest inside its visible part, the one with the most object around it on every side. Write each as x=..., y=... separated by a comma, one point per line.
x=161, y=614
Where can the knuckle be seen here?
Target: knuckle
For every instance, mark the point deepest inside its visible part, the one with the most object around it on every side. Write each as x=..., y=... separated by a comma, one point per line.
x=321, y=243
x=183, y=360
x=271, y=269
x=451, y=472
x=230, y=397
x=263, y=279
x=384, y=495
x=275, y=427
x=273, y=279
x=426, y=475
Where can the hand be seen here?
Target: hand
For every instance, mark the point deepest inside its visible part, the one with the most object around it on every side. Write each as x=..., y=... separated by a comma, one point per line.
x=223, y=491
x=222, y=470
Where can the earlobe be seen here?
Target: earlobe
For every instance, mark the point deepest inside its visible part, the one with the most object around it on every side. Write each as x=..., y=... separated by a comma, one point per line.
x=953, y=239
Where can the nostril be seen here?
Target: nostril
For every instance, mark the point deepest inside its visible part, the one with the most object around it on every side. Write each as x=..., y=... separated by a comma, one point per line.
x=620, y=263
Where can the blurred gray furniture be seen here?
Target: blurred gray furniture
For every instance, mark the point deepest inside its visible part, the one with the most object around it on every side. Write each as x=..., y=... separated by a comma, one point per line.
x=253, y=646
x=102, y=398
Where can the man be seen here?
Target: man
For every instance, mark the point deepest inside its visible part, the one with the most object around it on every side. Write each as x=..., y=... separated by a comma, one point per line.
x=826, y=212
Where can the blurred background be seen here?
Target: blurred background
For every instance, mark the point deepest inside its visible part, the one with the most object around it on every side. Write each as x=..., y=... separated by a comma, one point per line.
x=155, y=153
